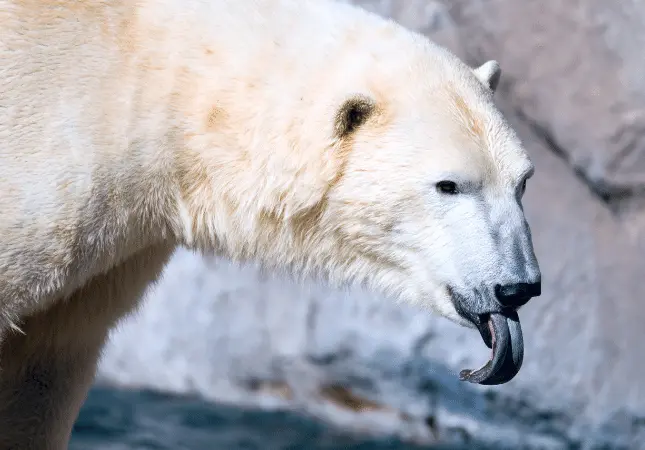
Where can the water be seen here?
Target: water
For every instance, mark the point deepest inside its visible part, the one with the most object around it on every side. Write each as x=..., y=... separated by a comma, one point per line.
x=144, y=420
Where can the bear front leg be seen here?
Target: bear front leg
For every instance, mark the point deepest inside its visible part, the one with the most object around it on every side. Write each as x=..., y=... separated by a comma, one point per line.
x=47, y=370
x=41, y=391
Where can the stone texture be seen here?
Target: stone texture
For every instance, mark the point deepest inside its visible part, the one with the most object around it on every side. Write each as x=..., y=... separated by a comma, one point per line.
x=237, y=335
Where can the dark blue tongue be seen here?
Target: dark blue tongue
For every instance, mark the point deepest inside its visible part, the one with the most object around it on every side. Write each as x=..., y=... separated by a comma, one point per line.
x=508, y=352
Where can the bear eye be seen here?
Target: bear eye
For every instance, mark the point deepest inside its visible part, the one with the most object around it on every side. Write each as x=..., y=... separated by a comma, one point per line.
x=447, y=187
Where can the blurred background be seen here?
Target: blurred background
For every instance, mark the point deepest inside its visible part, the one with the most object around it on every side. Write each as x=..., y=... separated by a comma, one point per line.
x=226, y=357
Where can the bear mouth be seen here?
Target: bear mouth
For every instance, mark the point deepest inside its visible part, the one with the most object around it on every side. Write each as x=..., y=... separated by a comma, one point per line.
x=502, y=333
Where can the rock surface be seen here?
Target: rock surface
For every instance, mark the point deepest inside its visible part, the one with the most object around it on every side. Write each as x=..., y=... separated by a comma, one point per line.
x=114, y=419
x=571, y=88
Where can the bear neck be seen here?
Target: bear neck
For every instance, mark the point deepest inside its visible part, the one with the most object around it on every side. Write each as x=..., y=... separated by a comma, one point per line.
x=235, y=154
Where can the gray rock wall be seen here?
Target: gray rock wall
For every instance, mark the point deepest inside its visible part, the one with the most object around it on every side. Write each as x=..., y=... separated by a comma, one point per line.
x=573, y=86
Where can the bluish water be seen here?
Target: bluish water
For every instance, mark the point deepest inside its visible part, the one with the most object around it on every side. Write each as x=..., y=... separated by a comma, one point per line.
x=129, y=420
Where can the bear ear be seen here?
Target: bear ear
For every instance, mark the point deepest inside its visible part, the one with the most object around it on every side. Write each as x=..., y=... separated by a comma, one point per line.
x=353, y=113
x=489, y=74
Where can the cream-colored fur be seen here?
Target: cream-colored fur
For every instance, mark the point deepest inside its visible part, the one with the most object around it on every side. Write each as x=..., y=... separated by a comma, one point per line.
x=130, y=127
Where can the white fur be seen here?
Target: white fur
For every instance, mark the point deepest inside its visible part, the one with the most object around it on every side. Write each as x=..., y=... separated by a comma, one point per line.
x=130, y=127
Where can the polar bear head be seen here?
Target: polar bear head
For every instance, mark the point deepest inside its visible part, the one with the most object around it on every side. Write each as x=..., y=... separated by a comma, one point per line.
x=390, y=167
x=431, y=194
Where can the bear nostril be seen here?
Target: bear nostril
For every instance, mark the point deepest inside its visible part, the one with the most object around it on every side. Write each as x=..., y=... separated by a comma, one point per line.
x=517, y=294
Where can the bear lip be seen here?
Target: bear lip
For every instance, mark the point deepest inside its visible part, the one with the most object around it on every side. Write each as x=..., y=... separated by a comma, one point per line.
x=485, y=329
x=507, y=343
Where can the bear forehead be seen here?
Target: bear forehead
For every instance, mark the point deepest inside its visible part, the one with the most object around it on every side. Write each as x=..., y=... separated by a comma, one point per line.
x=457, y=128
x=480, y=141
x=478, y=132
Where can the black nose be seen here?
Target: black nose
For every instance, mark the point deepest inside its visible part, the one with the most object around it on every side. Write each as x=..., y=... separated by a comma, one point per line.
x=517, y=294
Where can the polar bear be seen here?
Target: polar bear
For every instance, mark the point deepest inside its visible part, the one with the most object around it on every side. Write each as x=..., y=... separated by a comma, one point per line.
x=304, y=135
